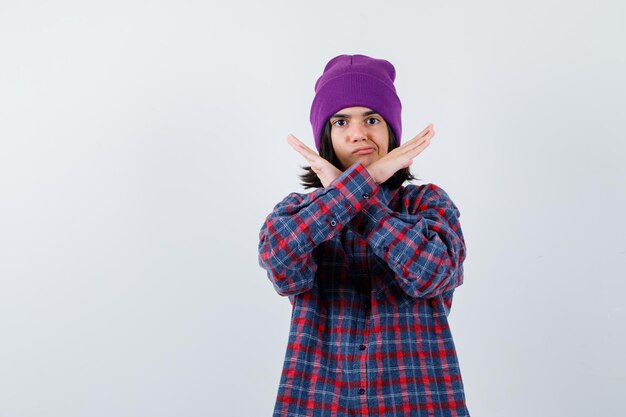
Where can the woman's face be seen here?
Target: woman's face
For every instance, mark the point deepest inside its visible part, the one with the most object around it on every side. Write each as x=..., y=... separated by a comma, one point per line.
x=358, y=134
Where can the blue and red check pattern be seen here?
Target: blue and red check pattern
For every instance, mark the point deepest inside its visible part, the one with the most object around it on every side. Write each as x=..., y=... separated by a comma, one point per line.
x=370, y=273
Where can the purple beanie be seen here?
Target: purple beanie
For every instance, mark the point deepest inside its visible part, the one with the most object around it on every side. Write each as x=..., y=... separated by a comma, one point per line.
x=356, y=80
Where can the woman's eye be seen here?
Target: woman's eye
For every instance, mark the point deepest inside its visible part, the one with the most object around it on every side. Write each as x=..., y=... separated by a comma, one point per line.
x=339, y=121
x=373, y=120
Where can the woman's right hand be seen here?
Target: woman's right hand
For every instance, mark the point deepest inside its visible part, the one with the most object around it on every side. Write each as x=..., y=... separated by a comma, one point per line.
x=401, y=157
x=324, y=170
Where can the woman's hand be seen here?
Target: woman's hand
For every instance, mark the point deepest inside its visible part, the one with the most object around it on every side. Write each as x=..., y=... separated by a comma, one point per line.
x=400, y=157
x=325, y=171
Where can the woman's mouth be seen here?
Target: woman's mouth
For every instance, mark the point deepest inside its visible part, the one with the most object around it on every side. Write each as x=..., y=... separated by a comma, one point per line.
x=364, y=151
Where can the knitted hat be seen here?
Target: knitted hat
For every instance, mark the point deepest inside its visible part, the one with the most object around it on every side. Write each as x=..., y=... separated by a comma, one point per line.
x=356, y=80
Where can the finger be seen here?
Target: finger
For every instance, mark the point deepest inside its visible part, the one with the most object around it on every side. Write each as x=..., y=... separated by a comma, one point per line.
x=307, y=155
x=417, y=141
x=429, y=130
x=426, y=129
x=413, y=152
x=292, y=139
x=416, y=148
x=422, y=134
x=297, y=145
x=311, y=156
x=301, y=147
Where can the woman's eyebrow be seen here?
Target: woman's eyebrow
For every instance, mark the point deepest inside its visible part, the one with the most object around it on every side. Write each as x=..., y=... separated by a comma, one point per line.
x=347, y=116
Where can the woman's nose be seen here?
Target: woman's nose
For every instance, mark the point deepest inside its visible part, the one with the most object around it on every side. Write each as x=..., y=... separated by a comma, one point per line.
x=357, y=133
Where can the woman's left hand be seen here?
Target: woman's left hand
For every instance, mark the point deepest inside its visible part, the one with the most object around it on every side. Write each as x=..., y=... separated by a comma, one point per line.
x=325, y=171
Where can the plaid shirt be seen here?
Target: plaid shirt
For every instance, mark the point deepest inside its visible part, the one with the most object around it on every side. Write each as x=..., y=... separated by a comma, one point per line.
x=370, y=272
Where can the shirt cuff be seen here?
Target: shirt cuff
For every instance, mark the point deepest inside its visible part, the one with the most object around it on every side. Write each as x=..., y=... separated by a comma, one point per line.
x=370, y=217
x=357, y=187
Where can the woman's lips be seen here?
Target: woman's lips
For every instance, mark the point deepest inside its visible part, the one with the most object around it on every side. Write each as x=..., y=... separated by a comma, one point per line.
x=364, y=151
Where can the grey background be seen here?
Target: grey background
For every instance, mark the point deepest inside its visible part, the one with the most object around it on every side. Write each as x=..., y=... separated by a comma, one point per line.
x=143, y=143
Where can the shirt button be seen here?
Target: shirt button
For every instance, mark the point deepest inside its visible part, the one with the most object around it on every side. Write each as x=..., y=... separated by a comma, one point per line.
x=333, y=223
x=386, y=248
x=361, y=391
x=362, y=347
x=366, y=195
x=367, y=306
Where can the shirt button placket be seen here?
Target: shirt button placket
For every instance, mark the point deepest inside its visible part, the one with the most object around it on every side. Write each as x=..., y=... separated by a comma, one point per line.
x=363, y=347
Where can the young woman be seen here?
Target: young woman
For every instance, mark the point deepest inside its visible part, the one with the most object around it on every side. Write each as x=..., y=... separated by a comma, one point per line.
x=369, y=265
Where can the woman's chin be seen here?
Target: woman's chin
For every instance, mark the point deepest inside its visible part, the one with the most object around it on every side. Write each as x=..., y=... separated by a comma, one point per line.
x=366, y=160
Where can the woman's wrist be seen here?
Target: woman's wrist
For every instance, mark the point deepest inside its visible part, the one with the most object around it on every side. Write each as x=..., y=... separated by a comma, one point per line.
x=373, y=173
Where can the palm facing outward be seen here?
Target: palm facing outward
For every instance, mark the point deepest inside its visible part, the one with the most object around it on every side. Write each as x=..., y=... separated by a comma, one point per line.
x=381, y=170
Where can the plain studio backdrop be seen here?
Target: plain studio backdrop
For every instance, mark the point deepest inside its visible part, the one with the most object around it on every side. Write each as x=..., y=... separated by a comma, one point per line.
x=143, y=143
